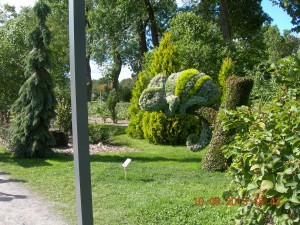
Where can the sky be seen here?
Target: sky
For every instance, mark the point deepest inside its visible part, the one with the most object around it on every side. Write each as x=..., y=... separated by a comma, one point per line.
x=280, y=18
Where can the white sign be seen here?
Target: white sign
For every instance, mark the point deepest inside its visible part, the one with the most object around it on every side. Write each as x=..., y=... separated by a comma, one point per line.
x=125, y=164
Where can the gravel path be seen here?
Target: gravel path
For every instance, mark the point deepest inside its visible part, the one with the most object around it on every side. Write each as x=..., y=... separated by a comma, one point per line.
x=20, y=206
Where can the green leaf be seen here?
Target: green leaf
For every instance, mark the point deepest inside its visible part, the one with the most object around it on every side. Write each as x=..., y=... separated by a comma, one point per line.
x=266, y=185
x=280, y=188
x=254, y=167
x=294, y=199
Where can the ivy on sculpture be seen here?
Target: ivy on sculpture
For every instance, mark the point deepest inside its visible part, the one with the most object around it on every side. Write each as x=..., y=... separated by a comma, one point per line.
x=182, y=93
x=193, y=92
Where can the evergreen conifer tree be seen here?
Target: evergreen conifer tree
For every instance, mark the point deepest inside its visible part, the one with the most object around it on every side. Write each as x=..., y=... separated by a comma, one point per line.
x=36, y=103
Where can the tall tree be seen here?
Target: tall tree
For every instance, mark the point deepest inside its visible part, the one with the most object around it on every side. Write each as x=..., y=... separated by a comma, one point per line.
x=35, y=107
x=13, y=50
x=292, y=7
x=279, y=46
x=122, y=31
x=237, y=18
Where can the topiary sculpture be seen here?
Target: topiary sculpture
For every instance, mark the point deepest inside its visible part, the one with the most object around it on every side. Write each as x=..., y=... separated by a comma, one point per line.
x=188, y=91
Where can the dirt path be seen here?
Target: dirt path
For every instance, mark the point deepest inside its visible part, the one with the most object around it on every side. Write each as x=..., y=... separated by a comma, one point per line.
x=20, y=206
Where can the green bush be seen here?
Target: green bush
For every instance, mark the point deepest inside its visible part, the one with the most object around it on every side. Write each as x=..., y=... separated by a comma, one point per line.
x=266, y=152
x=237, y=94
x=63, y=119
x=266, y=160
x=227, y=70
x=161, y=129
x=161, y=60
x=165, y=58
x=122, y=110
x=97, y=133
x=135, y=125
x=6, y=133
x=111, y=102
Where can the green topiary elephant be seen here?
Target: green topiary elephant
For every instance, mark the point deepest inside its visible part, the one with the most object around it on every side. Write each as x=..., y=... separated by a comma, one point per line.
x=188, y=91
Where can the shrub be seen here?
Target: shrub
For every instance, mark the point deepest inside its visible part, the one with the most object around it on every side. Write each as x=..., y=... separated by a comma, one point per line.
x=182, y=80
x=266, y=160
x=161, y=129
x=165, y=58
x=112, y=101
x=6, y=133
x=97, y=133
x=63, y=119
x=135, y=124
x=161, y=60
x=237, y=94
x=122, y=110
x=226, y=71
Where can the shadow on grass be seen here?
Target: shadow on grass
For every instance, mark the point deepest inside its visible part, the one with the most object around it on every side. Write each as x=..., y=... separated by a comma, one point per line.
x=26, y=163
x=116, y=158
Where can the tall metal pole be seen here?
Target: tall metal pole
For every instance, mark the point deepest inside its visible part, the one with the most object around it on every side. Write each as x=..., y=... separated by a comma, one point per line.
x=79, y=112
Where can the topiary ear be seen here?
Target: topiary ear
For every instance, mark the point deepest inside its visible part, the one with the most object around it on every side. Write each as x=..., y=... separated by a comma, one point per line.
x=158, y=81
x=153, y=99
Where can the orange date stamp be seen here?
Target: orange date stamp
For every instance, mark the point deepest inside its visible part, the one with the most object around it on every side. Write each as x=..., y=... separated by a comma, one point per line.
x=216, y=201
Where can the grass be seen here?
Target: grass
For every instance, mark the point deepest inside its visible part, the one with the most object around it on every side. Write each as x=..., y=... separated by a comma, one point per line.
x=162, y=182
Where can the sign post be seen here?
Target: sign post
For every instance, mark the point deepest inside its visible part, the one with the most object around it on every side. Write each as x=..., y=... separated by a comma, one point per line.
x=79, y=112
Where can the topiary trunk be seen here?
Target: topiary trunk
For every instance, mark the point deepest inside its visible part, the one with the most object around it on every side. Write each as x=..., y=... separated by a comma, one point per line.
x=237, y=94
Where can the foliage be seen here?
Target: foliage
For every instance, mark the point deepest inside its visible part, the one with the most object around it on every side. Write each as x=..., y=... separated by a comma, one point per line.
x=97, y=109
x=58, y=23
x=5, y=134
x=265, y=153
x=127, y=29
x=35, y=107
x=63, y=120
x=293, y=9
x=237, y=93
x=179, y=93
x=112, y=101
x=135, y=125
x=125, y=88
x=183, y=78
x=98, y=133
x=279, y=46
x=122, y=110
x=165, y=59
x=161, y=129
x=236, y=19
x=226, y=71
x=14, y=48
x=287, y=71
x=198, y=42
x=280, y=75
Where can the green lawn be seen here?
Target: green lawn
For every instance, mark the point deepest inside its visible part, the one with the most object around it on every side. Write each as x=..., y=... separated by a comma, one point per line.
x=162, y=182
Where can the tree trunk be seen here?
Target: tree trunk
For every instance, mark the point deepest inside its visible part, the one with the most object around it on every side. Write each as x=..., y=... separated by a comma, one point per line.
x=224, y=20
x=116, y=70
x=141, y=29
x=89, y=78
x=153, y=24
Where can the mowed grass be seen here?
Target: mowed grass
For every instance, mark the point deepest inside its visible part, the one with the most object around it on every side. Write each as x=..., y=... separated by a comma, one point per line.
x=161, y=184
